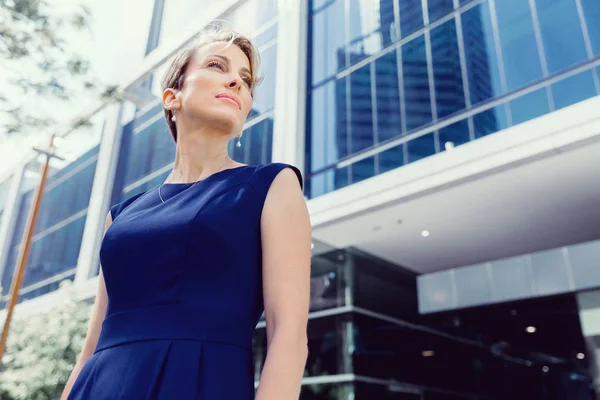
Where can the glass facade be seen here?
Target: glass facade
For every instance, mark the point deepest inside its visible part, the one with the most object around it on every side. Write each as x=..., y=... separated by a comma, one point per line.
x=381, y=70
x=57, y=237
x=368, y=341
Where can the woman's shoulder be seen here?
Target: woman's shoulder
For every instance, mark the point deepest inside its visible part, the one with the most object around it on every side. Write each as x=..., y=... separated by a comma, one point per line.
x=116, y=209
x=264, y=174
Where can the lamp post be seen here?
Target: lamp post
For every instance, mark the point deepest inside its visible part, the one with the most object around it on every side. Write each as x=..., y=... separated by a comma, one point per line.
x=19, y=273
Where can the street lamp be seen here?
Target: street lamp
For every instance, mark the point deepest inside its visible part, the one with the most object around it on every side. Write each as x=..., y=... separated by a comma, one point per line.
x=17, y=279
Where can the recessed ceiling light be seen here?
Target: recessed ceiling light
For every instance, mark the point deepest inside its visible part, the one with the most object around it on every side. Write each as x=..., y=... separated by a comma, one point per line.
x=530, y=329
x=425, y=233
x=427, y=353
x=400, y=222
x=580, y=356
x=449, y=145
x=545, y=368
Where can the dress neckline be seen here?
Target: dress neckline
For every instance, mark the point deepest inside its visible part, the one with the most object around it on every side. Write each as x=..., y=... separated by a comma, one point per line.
x=201, y=180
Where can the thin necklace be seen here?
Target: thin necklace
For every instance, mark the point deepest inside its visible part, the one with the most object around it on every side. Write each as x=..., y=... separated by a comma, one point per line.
x=219, y=170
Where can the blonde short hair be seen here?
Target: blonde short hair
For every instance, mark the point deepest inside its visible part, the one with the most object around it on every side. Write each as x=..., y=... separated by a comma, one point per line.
x=175, y=75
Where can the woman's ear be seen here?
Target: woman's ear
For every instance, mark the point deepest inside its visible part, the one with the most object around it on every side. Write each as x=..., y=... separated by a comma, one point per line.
x=170, y=99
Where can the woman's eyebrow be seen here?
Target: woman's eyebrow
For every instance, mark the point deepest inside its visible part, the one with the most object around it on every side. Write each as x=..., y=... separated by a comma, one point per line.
x=228, y=61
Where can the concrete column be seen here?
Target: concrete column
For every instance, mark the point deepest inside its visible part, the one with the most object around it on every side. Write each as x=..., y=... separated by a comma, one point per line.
x=98, y=207
x=290, y=83
x=9, y=217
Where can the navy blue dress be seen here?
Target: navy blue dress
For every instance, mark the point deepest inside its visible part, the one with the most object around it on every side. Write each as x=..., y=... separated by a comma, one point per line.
x=184, y=284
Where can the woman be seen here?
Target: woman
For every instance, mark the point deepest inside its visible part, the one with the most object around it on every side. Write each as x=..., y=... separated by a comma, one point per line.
x=188, y=267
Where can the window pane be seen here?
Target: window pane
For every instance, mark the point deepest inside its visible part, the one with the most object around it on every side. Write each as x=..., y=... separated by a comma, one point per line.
x=439, y=9
x=449, y=92
x=561, y=33
x=391, y=159
x=574, y=89
x=416, y=84
x=328, y=138
x=480, y=52
x=530, y=106
x=387, y=93
x=371, y=27
x=421, y=147
x=454, y=135
x=328, y=41
x=490, y=121
x=363, y=169
x=361, y=110
x=518, y=43
x=591, y=11
x=264, y=98
x=257, y=142
x=411, y=16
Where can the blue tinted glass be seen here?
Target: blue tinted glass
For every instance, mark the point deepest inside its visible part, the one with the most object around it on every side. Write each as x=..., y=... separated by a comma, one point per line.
x=517, y=38
x=361, y=110
x=574, y=89
x=454, y=135
x=480, y=52
x=591, y=11
x=490, y=121
x=449, y=91
x=264, y=96
x=411, y=16
x=317, y=4
x=439, y=8
x=530, y=106
x=390, y=159
x=561, y=33
x=363, y=169
x=327, y=41
x=387, y=97
x=371, y=26
x=328, y=138
x=417, y=99
x=257, y=143
x=266, y=36
x=420, y=147
x=463, y=2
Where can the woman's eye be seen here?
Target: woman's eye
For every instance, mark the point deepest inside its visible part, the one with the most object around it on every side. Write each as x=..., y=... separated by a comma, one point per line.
x=248, y=82
x=216, y=64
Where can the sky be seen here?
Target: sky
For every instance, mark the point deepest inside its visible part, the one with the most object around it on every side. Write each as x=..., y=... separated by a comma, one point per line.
x=115, y=47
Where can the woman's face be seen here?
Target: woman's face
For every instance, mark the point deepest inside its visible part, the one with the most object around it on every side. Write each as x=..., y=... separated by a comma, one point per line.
x=217, y=88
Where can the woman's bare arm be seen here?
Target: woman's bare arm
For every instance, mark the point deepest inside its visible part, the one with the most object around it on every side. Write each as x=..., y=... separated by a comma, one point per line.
x=94, y=327
x=286, y=238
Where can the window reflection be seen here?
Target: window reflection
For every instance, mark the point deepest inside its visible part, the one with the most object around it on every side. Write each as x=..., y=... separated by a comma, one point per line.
x=387, y=90
x=574, y=89
x=420, y=147
x=530, y=106
x=264, y=96
x=416, y=84
x=561, y=33
x=439, y=9
x=328, y=40
x=411, y=16
x=454, y=135
x=517, y=38
x=490, y=121
x=361, y=111
x=480, y=53
x=371, y=26
x=449, y=92
x=591, y=11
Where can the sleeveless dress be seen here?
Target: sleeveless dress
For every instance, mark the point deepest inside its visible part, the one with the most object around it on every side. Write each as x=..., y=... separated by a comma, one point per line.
x=184, y=284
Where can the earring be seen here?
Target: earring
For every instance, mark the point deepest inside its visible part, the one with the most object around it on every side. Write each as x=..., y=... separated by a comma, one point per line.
x=173, y=118
x=239, y=143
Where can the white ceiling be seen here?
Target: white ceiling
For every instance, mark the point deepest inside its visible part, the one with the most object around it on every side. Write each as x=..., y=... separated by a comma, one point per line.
x=547, y=203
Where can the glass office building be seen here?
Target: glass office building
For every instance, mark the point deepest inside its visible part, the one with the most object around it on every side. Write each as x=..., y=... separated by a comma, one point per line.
x=358, y=94
x=394, y=81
